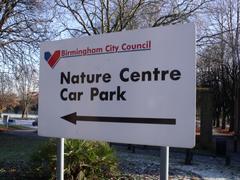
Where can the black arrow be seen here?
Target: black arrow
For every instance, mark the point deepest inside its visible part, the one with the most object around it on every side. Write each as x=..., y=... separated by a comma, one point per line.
x=73, y=118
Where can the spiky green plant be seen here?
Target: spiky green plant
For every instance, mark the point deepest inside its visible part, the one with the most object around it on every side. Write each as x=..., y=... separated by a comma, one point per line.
x=83, y=160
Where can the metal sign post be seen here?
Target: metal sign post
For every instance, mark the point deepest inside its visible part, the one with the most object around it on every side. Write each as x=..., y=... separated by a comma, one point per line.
x=164, y=163
x=60, y=159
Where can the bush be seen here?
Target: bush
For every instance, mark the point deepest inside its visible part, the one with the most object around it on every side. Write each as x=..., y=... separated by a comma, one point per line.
x=43, y=161
x=83, y=160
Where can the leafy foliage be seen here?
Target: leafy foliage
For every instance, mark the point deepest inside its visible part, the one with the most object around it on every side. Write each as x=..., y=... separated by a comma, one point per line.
x=43, y=161
x=83, y=160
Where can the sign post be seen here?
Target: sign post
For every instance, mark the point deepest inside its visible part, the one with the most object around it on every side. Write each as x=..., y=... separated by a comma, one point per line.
x=133, y=87
x=164, y=163
x=60, y=159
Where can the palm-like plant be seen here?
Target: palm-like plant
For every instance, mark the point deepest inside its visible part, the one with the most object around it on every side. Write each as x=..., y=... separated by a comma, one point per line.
x=83, y=160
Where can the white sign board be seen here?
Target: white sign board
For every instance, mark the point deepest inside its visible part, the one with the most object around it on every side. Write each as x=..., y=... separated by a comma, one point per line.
x=133, y=87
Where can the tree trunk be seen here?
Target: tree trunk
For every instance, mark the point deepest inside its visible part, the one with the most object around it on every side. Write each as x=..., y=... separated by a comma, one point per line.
x=217, y=118
x=231, y=128
x=224, y=120
x=25, y=112
x=206, y=117
x=239, y=110
x=224, y=123
x=188, y=157
x=236, y=109
x=218, y=122
x=214, y=121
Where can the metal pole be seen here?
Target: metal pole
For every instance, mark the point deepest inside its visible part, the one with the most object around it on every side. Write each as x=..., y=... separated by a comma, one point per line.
x=60, y=159
x=164, y=163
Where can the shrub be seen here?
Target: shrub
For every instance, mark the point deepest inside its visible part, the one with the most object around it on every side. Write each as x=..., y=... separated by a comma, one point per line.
x=83, y=160
x=43, y=161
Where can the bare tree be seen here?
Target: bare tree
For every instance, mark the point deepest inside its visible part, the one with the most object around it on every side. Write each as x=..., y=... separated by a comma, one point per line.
x=8, y=98
x=222, y=30
x=23, y=24
x=103, y=16
x=27, y=86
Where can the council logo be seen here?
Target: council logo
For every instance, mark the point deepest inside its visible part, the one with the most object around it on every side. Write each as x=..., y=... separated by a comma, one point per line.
x=52, y=59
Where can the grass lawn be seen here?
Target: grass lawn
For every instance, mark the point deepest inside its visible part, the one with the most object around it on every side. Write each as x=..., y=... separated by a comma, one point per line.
x=13, y=127
x=15, y=152
x=15, y=148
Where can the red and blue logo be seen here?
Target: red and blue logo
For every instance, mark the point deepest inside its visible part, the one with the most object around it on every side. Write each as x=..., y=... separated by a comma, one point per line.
x=52, y=59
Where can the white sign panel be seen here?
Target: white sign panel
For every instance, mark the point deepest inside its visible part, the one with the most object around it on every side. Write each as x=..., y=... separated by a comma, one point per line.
x=133, y=87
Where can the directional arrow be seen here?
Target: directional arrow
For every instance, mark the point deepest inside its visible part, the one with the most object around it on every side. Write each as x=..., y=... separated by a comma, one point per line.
x=73, y=118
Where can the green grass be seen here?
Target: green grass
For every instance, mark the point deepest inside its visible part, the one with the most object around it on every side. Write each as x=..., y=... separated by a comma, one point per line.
x=14, y=127
x=15, y=153
x=15, y=148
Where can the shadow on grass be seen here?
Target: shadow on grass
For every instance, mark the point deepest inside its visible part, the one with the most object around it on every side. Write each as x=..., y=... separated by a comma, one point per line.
x=3, y=128
x=15, y=153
